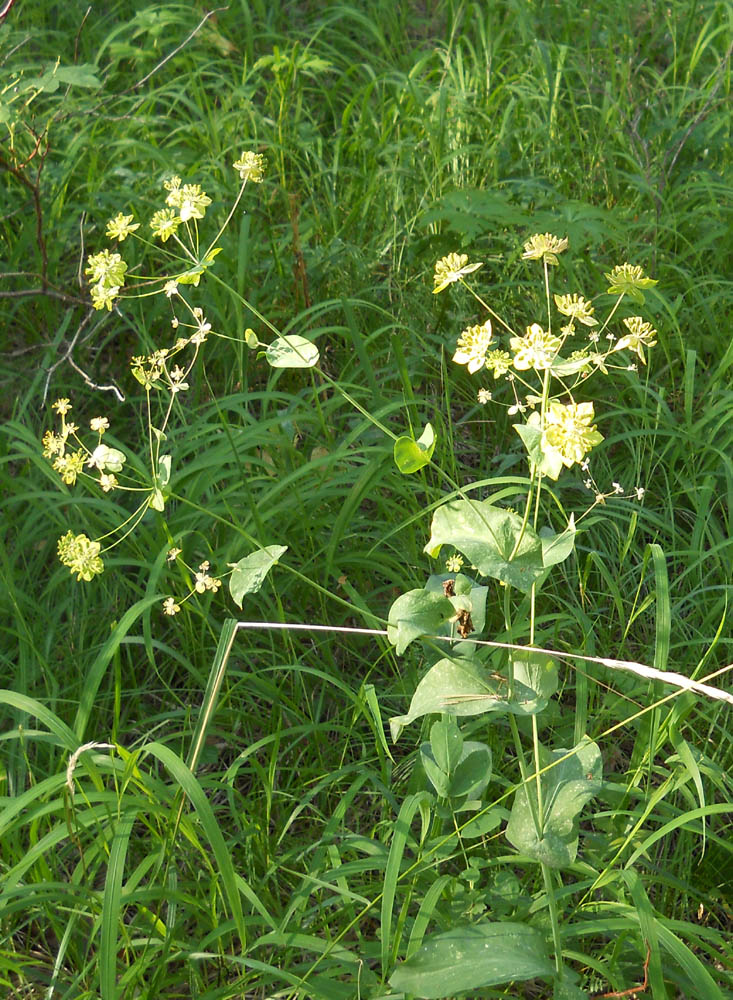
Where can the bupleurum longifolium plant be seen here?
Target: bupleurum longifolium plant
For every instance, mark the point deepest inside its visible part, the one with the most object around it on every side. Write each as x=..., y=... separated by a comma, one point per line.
x=163, y=374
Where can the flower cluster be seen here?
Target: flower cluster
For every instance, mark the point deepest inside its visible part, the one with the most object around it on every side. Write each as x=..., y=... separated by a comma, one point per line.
x=203, y=581
x=166, y=368
x=81, y=555
x=70, y=461
x=566, y=429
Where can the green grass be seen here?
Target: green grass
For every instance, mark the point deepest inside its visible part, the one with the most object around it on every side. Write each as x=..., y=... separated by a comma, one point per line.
x=285, y=854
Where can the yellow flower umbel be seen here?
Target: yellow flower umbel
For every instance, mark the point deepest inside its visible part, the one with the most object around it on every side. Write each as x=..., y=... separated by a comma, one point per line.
x=472, y=346
x=250, y=167
x=569, y=431
x=121, y=226
x=544, y=246
x=450, y=269
x=629, y=279
x=81, y=555
x=577, y=308
x=640, y=335
x=537, y=349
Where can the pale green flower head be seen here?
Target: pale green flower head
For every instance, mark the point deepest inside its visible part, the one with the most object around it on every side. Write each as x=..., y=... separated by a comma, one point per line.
x=69, y=465
x=106, y=268
x=450, y=269
x=577, y=308
x=472, y=346
x=250, y=167
x=629, y=279
x=164, y=223
x=121, y=226
x=544, y=246
x=103, y=295
x=569, y=431
x=640, y=335
x=81, y=555
x=498, y=362
x=537, y=349
x=190, y=200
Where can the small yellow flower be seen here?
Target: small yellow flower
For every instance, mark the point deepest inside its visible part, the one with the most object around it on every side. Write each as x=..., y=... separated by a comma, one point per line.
x=170, y=288
x=576, y=307
x=629, y=279
x=100, y=424
x=106, y=268
x=472, y=346
x=177, y=377
x=107, y=482
x=170, y=607
x=121, y=226
x=544, y=246
x=537, y=349
x=250, y=167
x=53, y=444
x=640, y=335
x=62, y=406
x=173, y=554
x=104, y=295
x=450, y=269
x=498, y=362
x=454, y=563
x=164, y=223
x=190, y=201
x=69, y=466
x=81, y=555
x=569, y=431
x=484, y=396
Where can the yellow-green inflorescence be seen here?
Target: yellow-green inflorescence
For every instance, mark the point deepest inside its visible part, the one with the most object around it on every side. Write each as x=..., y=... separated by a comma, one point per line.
x=166, y=369
x=567, y=429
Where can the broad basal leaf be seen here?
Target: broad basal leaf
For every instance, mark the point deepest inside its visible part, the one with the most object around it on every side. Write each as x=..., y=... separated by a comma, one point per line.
x=249, y=573
x=473, y=958
x=566, y=788
x=487, y=536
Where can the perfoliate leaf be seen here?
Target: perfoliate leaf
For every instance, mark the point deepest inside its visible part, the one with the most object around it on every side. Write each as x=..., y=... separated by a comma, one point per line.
x=249, y=573
x=472, y=773
x=292, y=351
x=164, y=471
x=566, y=788
x=461, y=685
x=469, y=596
x=548, y=461
x=157, y=502
x=416, y=613
x=472, y=958
x=535, y=672
x=487, y=536
x=412, y=455
x=446, y=743
x=556, y=548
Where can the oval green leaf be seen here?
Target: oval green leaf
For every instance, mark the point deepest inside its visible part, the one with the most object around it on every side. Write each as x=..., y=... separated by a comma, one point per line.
x=472, y=958
x=292, y=351
x=410, y=456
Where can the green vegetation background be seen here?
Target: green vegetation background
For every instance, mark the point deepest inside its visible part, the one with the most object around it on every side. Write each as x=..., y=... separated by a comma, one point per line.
x=395, y=132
